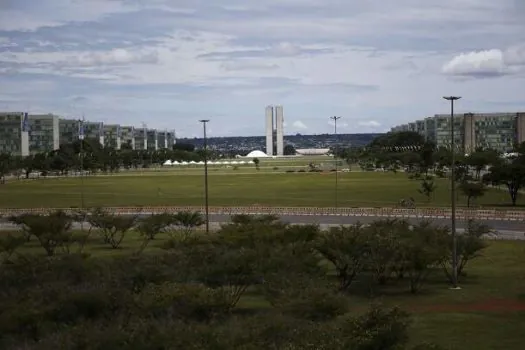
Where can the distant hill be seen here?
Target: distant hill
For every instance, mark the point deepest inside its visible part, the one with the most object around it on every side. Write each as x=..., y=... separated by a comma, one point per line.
x=249, y=143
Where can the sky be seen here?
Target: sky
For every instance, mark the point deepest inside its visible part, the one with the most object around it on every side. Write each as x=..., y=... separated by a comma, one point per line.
x=169, y=63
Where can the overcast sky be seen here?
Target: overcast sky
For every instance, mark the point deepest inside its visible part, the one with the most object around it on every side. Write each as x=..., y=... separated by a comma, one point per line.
x=168, y=63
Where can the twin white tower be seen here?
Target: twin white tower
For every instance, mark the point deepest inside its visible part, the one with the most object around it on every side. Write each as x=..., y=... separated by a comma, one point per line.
x=274, y=137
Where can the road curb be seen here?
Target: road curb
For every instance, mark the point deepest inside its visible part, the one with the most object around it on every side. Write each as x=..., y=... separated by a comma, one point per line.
x=421, y=213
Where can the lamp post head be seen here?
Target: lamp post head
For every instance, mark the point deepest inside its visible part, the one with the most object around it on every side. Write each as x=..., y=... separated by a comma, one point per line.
x=451, y=98
x=204, y=120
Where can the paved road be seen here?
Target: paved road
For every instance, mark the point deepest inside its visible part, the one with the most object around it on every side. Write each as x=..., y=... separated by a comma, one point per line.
x=511, y=230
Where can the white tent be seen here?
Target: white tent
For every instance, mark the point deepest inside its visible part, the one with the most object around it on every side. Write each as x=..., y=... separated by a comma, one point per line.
x=193, y=162
x=242, y=162
x=184, y=162
x=234, y=162
x=225, y=162
x=201, y=162
x=175, y=163
x=211, y=162
x=168, y=162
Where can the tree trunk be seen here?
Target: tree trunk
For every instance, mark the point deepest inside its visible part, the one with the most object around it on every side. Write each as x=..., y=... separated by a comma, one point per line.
x=513, y=191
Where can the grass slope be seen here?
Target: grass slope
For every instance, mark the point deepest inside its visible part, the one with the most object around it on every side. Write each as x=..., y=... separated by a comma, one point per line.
x=232, y=188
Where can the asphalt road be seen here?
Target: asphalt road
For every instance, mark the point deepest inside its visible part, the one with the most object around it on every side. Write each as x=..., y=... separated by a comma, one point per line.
x=510, y=230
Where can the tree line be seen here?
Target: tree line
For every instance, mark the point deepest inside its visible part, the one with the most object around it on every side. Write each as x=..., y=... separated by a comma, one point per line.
x=91, y=157
x=187, y=295
x=423, y=161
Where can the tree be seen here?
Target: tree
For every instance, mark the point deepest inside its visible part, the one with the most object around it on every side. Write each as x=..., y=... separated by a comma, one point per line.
x=52, y=231
x=256, y=161
x=398, y=139
x=8, y=246
x=231, y=271
x=378, y=329
x=480, y=159
x=289, y=150
x=428, y=187
x=383, y=245
x=472, y=190
x=468, y=247
x=188, y=147
x=511, y=174
x=188, y=221
x=427, y=154
x=113, y=227
x=421, y=248
x=150, y=226
x=345, y=248
x=5, y=166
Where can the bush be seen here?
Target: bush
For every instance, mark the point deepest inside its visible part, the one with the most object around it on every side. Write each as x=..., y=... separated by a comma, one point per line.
x=185, y=301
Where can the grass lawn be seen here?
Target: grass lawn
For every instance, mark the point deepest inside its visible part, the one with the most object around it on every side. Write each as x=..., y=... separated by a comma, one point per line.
x=487, y=313
x=231, y=188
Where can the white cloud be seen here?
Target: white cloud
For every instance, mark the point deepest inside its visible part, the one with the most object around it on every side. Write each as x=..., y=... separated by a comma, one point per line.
x=515, y=55
x=494, y=62
x=183, y=60
x=37, y=14
x=369, y=124
x=299, y=125
x=113, y=57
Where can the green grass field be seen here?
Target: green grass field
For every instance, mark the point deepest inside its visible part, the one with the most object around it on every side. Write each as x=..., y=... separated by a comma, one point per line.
x=487, y=313
x=229, y=187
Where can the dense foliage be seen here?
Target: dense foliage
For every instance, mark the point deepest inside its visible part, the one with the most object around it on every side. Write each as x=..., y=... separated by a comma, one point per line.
x=422, y=161
x=92, y=157
x=190, y=294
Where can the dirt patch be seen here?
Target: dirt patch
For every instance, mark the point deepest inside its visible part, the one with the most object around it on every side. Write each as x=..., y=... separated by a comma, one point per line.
x=495, y=305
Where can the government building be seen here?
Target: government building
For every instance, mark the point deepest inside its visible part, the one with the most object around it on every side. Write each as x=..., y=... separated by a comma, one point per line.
x=24, y=134
x=498, y=131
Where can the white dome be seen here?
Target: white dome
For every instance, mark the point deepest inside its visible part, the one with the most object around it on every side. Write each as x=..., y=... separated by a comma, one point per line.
x=256, y=154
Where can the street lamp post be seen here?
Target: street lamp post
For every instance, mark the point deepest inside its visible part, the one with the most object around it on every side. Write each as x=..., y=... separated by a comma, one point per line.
x=335, y=119
x=453, y=194
x=206, y=207
x=81, y=139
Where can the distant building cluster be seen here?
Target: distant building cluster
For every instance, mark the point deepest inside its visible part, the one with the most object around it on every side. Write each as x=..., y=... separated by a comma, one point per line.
x=498, y=131
x=24, y=134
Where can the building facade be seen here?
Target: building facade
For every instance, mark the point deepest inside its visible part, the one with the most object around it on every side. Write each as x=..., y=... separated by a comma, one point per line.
x=279, y=127
x=152, y=139
x=498, y=131
x=112, y=136
x=44, y=135
x=274, y=130
x=141, y=139
x=14, y=136
x=24, y=134
x=269, y=130
x=171, y=139
x=127, y=137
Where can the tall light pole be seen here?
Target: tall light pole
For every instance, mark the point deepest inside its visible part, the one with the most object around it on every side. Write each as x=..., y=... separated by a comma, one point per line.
x=81, y=139
x=204, y=121
x=453, y=193
x=335, y=119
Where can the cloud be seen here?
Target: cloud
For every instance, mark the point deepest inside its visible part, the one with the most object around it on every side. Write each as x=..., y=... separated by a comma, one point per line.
x=113, y=57
x=487, y=63
x=299, y=125
x=369, y=124
x=174, y=62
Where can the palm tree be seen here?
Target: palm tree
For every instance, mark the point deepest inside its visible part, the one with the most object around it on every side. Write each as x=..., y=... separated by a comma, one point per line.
x=188, y=221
